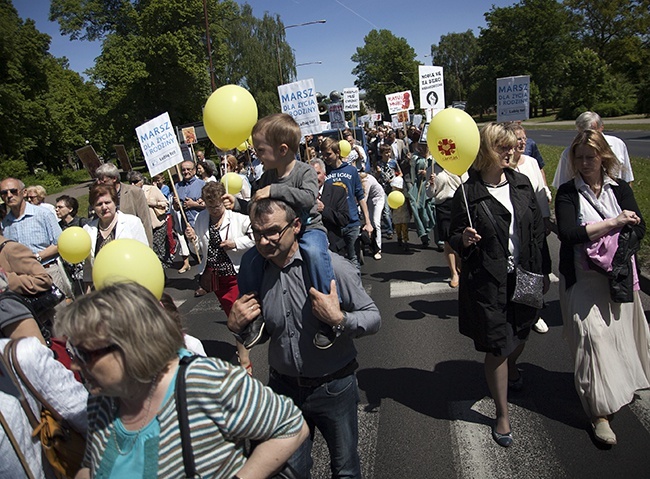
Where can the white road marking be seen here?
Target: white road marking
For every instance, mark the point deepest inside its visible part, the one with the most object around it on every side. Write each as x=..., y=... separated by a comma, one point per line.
x=178, y=302
x=641, y=408
x=477, y=455
x=402, y=289
x=368, y=427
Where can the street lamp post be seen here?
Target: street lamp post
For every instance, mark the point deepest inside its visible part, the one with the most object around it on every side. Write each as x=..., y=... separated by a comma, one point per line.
x=277, y=42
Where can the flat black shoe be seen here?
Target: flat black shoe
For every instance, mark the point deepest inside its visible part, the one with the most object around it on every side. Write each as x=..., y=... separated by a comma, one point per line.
x=516, y=384
x=253, y=333
x=503, y=440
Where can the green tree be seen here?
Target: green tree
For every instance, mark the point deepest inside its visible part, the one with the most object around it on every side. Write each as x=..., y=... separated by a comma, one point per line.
x=385, y=64
x=456, y=53
x=532, y=37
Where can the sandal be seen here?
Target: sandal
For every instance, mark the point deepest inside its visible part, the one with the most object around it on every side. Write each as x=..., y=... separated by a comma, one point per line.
x=184, y=269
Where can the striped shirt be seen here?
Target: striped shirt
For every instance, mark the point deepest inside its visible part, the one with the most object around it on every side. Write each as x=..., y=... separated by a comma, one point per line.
x=225, y=406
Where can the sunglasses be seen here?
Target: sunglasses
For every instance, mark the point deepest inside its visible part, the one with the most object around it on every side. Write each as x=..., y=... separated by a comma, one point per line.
x=13, y=191
x=86, y=356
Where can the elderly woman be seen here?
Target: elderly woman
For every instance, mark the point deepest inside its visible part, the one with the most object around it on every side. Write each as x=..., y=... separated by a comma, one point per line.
x=36, y=196
x=158, y=207
x=506, y=230
x=128, y=349
x=109, y=223
x=608, y=338
x=224, y=236
x=206, y=170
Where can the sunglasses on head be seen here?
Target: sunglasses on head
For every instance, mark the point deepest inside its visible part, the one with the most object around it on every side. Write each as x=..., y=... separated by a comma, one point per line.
x=86, y=356
x=13, y=191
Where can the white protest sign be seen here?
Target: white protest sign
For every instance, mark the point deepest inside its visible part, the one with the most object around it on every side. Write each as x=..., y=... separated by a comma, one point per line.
x=432, y=87
x=337, y=116
x=298, y=99
x=159, y=144
x=399, y=101
x=375, y=117
x=513, y=98
x=417, y=120
x=351, y=99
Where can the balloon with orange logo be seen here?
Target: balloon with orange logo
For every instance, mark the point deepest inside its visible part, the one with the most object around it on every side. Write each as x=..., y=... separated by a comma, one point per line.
x=453, y=140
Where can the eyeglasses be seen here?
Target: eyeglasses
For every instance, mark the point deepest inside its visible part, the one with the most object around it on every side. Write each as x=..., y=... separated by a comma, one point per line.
x=32, y=197
x=524, y=139
x=271, y=237
x=13, y=191
x=85, y=356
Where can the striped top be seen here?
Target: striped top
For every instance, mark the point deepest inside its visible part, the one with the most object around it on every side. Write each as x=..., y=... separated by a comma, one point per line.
x=225, y=406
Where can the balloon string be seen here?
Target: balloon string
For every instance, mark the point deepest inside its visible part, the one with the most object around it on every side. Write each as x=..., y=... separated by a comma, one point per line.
x=462, y=186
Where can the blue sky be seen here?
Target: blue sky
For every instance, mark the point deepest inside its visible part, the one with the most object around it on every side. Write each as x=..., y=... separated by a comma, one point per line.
x=420, y=22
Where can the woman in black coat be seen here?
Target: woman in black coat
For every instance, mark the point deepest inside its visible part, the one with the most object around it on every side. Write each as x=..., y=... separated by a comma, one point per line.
x=498, y=326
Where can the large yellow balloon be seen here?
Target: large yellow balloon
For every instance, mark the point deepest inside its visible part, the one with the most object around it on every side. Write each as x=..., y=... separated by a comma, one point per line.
x=125, y=260
x=233, y=183
x=395, y=199
x=453, y=140
x=241, y=148
x=74, y=244
x=229, y=116
x=345, y=147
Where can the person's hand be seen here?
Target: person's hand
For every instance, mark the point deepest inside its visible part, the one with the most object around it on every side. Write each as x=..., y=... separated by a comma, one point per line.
x=263, y=193
x=319, y=205
x=228, y=244
x=190, y=234
x=470, y=237
x=326, y=307
x=422, y=173
x=228, y=201
x=190, y=203
x=177, y=204
x=368, y=227
x=243, y=312
x=432, y=178
x=626, y=217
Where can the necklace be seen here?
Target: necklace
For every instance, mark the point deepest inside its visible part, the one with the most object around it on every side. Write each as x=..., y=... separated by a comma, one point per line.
x=149, y=400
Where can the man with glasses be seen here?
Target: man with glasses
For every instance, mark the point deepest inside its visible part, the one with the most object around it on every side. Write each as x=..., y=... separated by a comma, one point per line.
x=189, y=199
x=321, y=382
x=35, y=227
x=130, y=199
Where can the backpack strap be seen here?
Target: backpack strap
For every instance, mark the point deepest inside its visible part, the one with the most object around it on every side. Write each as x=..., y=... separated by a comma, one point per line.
x=183, y=420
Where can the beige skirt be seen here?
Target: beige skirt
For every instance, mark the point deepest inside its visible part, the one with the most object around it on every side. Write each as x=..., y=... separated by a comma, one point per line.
x=609, y=342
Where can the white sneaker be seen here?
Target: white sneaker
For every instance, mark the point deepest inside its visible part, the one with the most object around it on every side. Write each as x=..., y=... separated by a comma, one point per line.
x=377, y=255
x=540, y=326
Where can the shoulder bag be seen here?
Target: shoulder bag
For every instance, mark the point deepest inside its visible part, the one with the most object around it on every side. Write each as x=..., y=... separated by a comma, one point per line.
x=529, y=286
x=63, y=447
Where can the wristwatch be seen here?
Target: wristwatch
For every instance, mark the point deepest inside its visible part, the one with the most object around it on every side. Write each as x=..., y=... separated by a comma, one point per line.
x=339, y=328
x=38, y=258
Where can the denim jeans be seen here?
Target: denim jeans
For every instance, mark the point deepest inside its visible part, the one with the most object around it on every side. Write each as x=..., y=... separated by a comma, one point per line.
x=350, y=235
x=332, y=408
x=314, y=250
x=387, y=218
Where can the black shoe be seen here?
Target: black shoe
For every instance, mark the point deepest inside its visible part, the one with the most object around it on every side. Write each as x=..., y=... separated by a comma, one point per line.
x=324, y=338
x=253, y=333
x=399, y=241
x=516, y=384
x=425, y=241
x=503, y=440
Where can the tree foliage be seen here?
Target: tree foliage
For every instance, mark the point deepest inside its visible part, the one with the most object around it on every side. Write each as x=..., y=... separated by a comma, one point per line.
x=385, y=64
x=456, y=53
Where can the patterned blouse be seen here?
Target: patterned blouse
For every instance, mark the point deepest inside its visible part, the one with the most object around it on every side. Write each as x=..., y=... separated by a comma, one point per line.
x=218, y=259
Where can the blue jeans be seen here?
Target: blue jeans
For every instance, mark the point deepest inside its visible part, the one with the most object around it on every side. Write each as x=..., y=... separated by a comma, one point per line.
x=350, y=235
x=332, y=408
x=387, y=218
x=314, y=249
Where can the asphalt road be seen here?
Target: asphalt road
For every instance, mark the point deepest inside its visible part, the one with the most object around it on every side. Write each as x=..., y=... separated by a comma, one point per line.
x=425, y=410
x=638, y=142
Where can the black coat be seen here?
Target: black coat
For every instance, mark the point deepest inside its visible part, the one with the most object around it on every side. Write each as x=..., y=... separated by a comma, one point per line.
x=484, y=299
x=567, y=208
x=336, y=214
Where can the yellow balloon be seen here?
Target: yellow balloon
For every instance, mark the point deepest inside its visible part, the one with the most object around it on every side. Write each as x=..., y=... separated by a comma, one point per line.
x=233, y=183
x=125, y=260
x=453, y=140
x=242, y=147
x=345, y=147
x=74, y=244
x=396, y=199
x=229, y=116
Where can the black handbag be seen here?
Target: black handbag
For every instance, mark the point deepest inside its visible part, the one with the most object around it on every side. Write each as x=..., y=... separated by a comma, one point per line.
x=41, y=302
